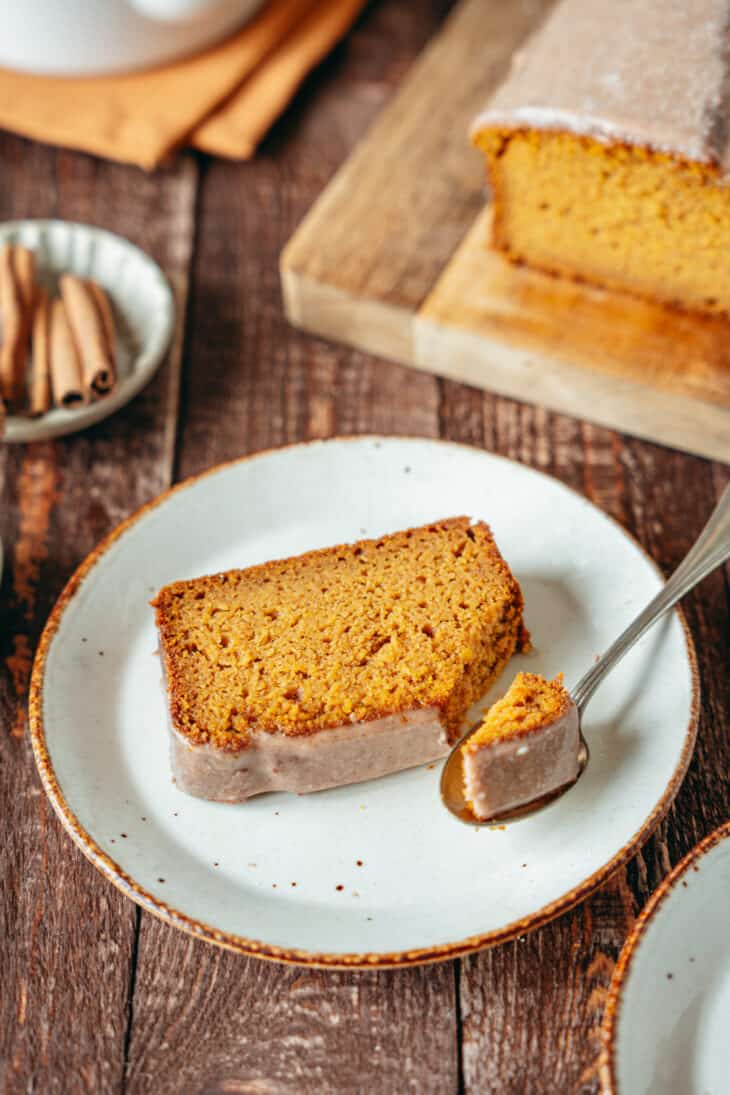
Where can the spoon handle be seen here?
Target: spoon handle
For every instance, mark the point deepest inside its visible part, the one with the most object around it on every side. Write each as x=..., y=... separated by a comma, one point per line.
x=711, y=548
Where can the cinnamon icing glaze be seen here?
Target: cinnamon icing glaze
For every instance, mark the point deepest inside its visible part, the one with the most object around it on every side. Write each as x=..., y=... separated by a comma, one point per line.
x=329, y=758
x=654, y=73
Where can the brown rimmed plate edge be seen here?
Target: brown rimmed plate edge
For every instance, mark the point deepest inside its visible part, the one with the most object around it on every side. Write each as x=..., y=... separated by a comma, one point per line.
x=619, y=980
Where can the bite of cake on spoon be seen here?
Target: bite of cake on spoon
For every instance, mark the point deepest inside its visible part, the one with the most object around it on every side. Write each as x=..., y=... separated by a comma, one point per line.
x=527, y=747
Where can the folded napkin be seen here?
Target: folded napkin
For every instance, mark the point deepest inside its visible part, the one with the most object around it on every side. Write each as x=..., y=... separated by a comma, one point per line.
x=222, y=100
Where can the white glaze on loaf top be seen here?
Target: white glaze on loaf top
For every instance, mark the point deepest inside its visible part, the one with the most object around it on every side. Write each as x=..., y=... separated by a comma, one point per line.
x=646, y=72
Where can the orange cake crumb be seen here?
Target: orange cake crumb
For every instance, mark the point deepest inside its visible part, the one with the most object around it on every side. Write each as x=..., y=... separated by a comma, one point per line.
x=427, y=617
x=627, y=218
x=530, y=703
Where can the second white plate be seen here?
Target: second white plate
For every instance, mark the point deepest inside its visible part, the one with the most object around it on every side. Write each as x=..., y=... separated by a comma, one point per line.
x=666, y=1026
x=378, y=873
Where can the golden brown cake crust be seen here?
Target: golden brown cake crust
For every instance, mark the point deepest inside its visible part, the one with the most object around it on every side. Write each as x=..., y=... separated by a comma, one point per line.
x=427, y=617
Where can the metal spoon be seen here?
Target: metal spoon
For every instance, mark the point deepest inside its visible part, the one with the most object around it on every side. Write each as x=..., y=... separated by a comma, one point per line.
x=711, y=549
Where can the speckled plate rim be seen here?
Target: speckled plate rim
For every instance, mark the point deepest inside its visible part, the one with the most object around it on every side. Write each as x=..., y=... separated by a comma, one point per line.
x=619, y=981
x=20, y=430
x=293, y=956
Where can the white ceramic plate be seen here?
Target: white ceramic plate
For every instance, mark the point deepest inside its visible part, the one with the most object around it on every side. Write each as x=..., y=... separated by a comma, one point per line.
x=666, y=1025
x=377, y=873
x=143, y=306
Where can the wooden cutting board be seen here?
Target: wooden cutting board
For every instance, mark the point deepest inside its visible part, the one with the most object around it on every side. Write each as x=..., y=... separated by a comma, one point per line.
x=393, y=259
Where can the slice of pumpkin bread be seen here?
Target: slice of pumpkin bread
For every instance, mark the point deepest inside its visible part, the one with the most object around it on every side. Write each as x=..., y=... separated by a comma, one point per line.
x=335, y=666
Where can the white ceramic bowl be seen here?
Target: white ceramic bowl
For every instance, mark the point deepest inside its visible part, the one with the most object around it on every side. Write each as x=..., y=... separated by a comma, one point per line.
x=143, y=305
x=84, y=37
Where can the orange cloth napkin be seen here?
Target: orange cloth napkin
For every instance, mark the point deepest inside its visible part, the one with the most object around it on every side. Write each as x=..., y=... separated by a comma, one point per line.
x=222, y=100
x=236, y=127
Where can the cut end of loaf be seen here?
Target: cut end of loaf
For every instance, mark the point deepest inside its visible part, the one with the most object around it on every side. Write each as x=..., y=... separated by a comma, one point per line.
x=623, y=217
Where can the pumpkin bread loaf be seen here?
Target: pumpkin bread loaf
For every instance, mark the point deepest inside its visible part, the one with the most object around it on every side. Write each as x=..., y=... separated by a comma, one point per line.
x=608, y=149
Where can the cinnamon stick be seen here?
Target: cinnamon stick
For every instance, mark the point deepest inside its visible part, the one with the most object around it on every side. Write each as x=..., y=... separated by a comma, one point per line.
x=24, y=269
x=66, y=375
x=40, y=389
x=90, y=334
x=17, y=299
x=12, y=357
x=104, y=308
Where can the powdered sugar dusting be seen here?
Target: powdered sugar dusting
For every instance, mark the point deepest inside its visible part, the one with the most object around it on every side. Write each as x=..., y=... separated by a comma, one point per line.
x=655, y=73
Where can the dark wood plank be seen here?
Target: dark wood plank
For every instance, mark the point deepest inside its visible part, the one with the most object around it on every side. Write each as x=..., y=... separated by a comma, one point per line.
x=205, y=1020
x=68, y=937
x=209, y=1021
x=247, y=365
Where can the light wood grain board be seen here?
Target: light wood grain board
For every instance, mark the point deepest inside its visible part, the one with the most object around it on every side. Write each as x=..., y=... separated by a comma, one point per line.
x=394, y=259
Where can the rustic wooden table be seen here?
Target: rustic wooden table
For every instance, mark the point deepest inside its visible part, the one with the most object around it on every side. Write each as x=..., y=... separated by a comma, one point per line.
x=97, y=996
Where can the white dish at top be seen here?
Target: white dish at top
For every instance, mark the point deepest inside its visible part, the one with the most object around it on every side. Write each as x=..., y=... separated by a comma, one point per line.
x=144, y=310
x=378, y=873
x=666, y=1025
x=91, y=37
